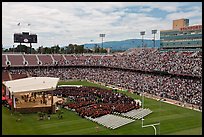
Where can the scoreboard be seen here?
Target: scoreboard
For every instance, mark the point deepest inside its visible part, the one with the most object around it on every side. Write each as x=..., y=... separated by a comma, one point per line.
x=25, y=37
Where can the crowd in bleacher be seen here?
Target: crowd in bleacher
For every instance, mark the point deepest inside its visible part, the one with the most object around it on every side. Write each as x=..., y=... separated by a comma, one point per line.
x=185, y=63
x=186, y=90
x=146, y=59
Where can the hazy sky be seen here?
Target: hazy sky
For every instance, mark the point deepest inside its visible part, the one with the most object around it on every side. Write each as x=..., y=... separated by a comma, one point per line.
x=80, y=22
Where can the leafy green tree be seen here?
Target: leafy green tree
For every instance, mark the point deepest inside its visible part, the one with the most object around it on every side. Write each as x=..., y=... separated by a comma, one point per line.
x=96, y=48
x=62, y=50
x=22, y=48
x=79, y=48
x=71, y=48
x=103, y=50
x=55, y=49
x=5, y=50
x=47, y=50
x=66, y=49
x=40, y=50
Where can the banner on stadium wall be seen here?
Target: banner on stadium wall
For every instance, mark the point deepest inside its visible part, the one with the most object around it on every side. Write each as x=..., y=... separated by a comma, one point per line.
x=196, y=27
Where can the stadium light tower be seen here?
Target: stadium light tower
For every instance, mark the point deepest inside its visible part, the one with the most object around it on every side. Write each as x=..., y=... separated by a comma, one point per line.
x=154, y=32
x=102, y=36
x=142, y=33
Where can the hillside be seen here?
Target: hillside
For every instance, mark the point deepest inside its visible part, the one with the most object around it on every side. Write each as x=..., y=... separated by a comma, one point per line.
x=125, y=44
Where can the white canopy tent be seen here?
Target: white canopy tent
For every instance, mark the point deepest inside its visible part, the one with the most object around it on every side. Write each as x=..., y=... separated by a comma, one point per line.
x=31, y=84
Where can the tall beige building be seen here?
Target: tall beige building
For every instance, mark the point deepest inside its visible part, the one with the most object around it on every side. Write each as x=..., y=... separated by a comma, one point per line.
x=182, y=37
x=179, y=23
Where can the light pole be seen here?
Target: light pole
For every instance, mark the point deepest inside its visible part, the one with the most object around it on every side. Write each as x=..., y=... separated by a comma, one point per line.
x=29, y=30
x=142, y=33
x=13, y=49
x=102, y=36
x=30, y=48
x=154, y=32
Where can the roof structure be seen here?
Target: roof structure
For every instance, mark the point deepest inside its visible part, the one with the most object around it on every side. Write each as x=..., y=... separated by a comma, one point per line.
x=31, y=84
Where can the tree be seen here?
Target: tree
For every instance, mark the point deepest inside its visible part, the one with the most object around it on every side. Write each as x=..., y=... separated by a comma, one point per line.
x=55, y=49
x=79, y=48
x=75, y=48
x=40, y=50
x=12, y=49
x=33, y=51
x=71, y=48
x=47, y=50
x=62, y=50
x=103, y=50
x=5, y=50
x=66, y=49
x=22, y=48
x=96, y=48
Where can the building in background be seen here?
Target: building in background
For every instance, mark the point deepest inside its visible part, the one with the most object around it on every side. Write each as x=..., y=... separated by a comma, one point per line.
x=177, y=24
x=181, y=37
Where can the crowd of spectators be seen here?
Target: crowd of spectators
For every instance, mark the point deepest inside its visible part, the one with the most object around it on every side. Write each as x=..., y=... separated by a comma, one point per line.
x=148, y=59
x=145, y=59
x=186, y=90
x=154, y=60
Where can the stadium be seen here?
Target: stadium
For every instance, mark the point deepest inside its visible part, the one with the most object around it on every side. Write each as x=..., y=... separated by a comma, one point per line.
x=140, y=91
x=111, y=71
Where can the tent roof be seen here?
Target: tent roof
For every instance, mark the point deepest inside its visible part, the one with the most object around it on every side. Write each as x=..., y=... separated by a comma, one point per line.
x=31, y=84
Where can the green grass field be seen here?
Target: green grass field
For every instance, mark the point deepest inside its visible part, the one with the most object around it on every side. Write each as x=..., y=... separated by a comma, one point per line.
x=173, y=120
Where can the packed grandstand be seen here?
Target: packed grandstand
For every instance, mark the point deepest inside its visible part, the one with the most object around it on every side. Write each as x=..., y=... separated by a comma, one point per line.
x=172, y=75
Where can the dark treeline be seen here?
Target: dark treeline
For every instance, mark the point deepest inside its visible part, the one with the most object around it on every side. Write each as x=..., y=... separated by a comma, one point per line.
x=56, y=49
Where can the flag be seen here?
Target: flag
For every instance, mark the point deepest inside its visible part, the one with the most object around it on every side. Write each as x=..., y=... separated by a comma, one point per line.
x=19, y=24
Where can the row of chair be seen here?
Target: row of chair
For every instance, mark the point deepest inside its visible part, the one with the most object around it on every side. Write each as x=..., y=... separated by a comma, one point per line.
x=137, y=113
x=111, y=121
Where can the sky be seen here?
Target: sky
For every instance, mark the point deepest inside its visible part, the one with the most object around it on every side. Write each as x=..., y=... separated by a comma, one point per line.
x=63, y=23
